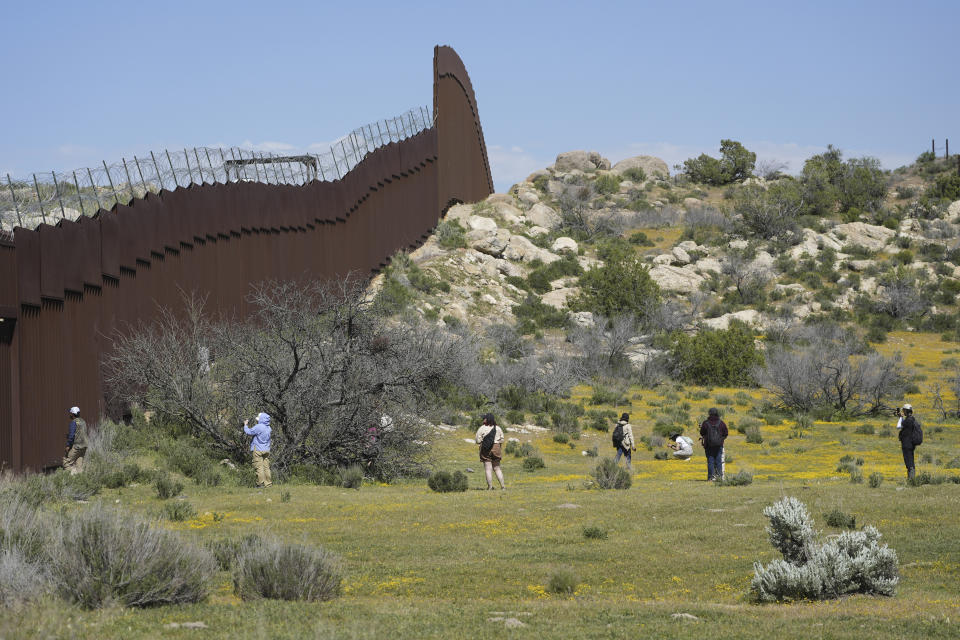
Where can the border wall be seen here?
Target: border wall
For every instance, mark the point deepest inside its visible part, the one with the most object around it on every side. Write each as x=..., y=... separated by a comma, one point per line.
x=66, y=289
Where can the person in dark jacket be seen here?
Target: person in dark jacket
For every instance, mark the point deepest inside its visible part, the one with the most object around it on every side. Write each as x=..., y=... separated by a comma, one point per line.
x=907, y=425
x=713, y=432
x=76, y=447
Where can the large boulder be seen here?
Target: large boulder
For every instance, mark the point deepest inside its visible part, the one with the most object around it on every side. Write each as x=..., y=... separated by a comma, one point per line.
x=563, y=244
x=481, y=223
x=651, y=165
x=558, y=297
x=491, y=242
x=680, y=256
x=861, y=234
x=543, y=216
x=953, y=211
x=678, y=279
x=750, y=317
x=460, y=213
x=520, y=249
x=582, y=160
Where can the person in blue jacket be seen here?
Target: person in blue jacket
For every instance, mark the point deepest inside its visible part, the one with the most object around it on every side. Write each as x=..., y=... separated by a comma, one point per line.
x=260, y=446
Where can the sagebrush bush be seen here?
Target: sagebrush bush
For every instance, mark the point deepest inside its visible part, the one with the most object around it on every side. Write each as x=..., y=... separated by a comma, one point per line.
x=226, y=550
x=561, y=438
x=351, y=477
x=661, y=455
x=739, y=479
x=21, y=528
x=166, y=487
x=865, y=429
x=876, y=479
x=594, y=533
x=273, y=569
x=533, y=462
x=754, y=436
x=178, y=511
x=840, y=519
x=853, y=562
x=21, y=581
x=100, y=557
x=563, y=582
x=446, y=482
x=609, y=475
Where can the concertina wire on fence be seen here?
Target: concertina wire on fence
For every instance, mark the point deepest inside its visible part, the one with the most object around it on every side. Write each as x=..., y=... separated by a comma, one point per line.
x=56, y=195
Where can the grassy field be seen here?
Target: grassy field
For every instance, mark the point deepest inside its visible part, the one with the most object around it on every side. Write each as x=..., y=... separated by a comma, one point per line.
x=478, y=564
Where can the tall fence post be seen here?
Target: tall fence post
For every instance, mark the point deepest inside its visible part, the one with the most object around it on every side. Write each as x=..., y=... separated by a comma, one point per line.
x=174, y=171
x=56, y=186
x=116, y=198
x=96, y=192
x=156, y=169
x=186, y=156
x=16, y=207
x=933, y=147
x=947, y=153
x=379, y=134
x=143, y=182
x=133, y=195
x=39, y=199
x=76, y=183
x=213, y=173
x=335, y=165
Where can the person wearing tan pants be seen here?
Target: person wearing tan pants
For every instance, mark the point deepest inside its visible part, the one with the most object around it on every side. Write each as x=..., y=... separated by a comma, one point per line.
x=76, y=443
x=260, y=446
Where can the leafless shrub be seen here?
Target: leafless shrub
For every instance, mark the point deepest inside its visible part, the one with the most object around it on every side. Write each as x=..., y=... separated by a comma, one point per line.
x=825, y=368
x=768, y=213
x=604, y=344
x=748, y=277
x=707, y=217
x=318, y=358
x=21, y=581
x=770, y=169
x=901, y=296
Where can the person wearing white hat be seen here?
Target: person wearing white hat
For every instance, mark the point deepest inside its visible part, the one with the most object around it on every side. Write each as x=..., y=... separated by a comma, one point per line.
x=76, y=443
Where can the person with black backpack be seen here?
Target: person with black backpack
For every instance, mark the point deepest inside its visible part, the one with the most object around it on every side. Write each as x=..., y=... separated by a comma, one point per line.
x=911, y=436
x=623, y=440
x=490, y=439
x=713, y=432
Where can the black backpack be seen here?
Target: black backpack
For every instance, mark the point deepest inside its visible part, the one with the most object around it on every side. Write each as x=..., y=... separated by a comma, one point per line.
x=916, y=433
x=488, y=440
x=713, y=437
x=618, y=435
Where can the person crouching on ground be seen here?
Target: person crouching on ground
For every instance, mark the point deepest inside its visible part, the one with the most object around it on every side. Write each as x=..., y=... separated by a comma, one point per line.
x=623, y=440
x=76, y=443
x=490, y=440
x=682, y=446
x=260, y=446
x=713, y=432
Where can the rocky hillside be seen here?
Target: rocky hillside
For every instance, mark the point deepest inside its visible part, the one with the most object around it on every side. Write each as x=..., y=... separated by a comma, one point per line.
x=523, y=254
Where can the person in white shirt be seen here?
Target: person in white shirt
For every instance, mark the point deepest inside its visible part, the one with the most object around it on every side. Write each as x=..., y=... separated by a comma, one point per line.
x=682, y=446
x=491, y=457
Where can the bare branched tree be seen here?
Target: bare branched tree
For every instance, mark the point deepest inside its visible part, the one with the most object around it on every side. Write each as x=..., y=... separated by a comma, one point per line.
x=342, y=384
x=748, y=277
x=901, y=294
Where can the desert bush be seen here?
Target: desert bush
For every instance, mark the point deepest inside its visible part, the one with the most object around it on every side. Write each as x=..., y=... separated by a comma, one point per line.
x=178, y=511
x=166, y=487
x=739, y=479
x=853, y=562
x=839, y=519
x=21, y=528
x=865, y=429
x=351, y=477
x=100, y=557
x=593, y=452
x=450, y=234
x=640, y=238
x=635, y=174
x=21, y=581
x=514, y=416
x=208, y=476
x=561, y=438
x=876, y=479
x=594, y=533
x=661, y=455
x=716, y=357
x=609, y=475
x=226, y=550
x=563, y=582
x=746, y=423
x=446, y=482
x=275, y=570
x=753, y=435
x=621, y=286
x=533, y=462
x=607, y=183
x=736, y=164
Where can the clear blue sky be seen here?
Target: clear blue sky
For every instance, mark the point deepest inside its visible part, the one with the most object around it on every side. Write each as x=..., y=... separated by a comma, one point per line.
x=86, y=81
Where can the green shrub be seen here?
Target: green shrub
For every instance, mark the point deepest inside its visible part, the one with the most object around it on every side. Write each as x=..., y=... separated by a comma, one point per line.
x=856, y=475
x=514, y=416
x=634, y=174
x=593, y=452
x=945, y=187
x=865, y=429
x=532, y=314
x=285, y=496
x=607, y=183
x=640, y=238
x=563, y=582
x=621, y=286
x=607, y=395
x=594, y=533
x=839, y=519
x=445, y=482
x=351, y=477
x=208, y=476
x=166, y=487
x=876, y=479
x=533, y=462
x=661, y=455
x=754, y=436
x=226, y=550
x=178, y=511
x=275, y=570
x=561, y=438
x=100, y=558
x=312, y=474
x=742, y=477
x=736, y=164
x=719, y=357
x=609, y=475
x=450, y=235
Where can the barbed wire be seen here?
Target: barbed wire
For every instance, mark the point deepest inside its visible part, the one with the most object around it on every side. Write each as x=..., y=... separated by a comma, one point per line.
x=58, y=195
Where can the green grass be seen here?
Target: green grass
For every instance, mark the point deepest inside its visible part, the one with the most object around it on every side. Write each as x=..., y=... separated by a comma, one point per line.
x=420, y=564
